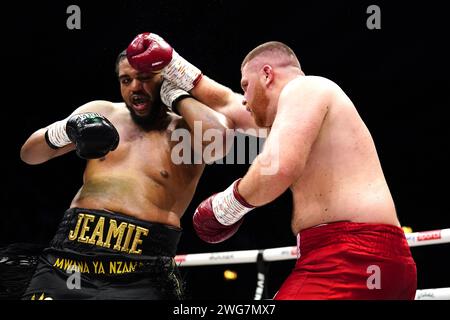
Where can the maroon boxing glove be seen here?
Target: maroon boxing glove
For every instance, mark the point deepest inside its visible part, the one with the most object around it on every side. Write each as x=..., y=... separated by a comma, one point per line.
x=219, y=217
x=148, y=52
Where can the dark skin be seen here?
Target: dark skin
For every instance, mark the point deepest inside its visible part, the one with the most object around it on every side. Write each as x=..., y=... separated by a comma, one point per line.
x=139, y=178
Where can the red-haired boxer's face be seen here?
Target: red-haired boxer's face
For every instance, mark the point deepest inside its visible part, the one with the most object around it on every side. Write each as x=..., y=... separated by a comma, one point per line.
x=140, y=91
x=255, y=96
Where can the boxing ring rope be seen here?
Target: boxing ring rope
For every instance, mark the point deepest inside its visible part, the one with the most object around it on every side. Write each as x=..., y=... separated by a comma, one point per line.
x=414, y=239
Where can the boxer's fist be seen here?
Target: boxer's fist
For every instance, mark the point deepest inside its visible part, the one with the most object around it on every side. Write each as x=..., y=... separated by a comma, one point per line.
x=149, y=52
x=208, y=228
x=93, y=135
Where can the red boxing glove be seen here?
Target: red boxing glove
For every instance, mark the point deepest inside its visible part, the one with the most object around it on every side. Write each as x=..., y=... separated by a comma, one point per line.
x=208, y=228
x=148, y=52
x=219, y=217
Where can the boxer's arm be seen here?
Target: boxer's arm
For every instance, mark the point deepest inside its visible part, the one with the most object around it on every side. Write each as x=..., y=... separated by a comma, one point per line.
x=302, y=108
x=209, y=129
x=36, y=150
x=222, y=99
x=301, y=111
x=149, y=52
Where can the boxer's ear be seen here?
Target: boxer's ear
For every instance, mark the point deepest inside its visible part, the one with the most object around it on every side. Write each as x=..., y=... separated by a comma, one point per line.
x=267, y=72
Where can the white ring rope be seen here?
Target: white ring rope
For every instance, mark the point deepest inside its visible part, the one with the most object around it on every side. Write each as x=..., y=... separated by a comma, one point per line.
x=425, y=238
x=287, y=253
x=433, y=294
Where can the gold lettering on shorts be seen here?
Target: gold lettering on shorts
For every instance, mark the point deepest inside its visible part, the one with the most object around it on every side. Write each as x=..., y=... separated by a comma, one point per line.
x=116, y=232
x=112, y=267
x=127, y=235
x=121, y=267
x=87, y=218
x=101, y=269
x=131, y=228
x=137, y=239
x=98, y=233
x=97, y=266
x=59, y=263
x=68, y=264
x=74, y=233
x=41, y=297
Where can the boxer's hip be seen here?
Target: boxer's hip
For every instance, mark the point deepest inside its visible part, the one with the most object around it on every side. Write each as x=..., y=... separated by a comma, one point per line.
x=371, y=238
x=111, y=255
x=347, y=260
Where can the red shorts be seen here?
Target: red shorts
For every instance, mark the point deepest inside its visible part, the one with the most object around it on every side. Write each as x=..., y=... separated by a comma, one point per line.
x=347, y=260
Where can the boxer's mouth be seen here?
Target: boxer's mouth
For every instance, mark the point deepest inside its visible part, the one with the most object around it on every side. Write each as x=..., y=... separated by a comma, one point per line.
x=140, y=102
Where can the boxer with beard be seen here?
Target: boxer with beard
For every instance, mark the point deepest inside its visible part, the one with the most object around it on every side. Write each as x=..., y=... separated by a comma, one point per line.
x=120, y=234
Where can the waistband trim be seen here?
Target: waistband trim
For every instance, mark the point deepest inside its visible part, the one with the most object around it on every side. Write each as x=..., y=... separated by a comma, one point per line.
x=370, y=237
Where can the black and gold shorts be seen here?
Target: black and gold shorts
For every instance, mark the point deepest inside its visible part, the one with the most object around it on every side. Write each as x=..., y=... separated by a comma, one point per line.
x=98, y=254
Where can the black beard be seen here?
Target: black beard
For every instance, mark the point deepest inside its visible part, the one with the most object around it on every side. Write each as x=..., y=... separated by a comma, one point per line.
x=154, y=120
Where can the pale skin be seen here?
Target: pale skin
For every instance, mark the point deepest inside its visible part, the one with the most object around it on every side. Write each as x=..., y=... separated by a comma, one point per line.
x=138, y=178
x=321, y=148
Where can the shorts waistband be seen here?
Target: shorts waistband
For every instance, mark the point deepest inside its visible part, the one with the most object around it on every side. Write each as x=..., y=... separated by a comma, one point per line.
x=373, y=237
x=88, y=231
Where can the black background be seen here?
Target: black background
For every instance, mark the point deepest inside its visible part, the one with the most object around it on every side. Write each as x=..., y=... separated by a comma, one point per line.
x=397, y=77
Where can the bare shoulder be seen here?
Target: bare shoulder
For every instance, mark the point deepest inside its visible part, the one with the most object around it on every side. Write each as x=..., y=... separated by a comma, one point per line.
x=307, y=91
x=306, y=85
x=105, y=108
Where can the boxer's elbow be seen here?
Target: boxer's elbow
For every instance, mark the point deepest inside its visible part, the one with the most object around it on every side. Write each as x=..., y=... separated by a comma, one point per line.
x=221, y=144
x=35, y=150
x=26, y=151
x=27, y=156
x=287, y=175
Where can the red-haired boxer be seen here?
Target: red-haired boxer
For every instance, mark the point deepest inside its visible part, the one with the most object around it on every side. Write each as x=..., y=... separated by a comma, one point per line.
x=350, y=241
x=123, y=226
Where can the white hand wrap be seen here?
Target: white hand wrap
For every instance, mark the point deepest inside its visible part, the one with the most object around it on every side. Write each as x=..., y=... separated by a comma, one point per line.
x=56, y=134
x=181, y=72
x=227, y=208
x=170, y=93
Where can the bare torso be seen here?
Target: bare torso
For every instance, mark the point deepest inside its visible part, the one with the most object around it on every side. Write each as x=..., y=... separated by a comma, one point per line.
x=138, y=178
x=343, y=178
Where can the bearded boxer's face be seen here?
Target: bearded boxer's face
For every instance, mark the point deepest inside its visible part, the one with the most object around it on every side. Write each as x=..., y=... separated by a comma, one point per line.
x=255, y=96
x=140, y=92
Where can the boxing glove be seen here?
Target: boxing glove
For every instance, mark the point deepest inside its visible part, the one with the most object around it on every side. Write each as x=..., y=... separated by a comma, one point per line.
x=149, y=52
x=93, y=135
x=219, y=217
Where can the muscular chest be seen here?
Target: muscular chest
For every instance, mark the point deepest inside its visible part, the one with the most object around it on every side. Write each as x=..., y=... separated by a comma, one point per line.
x=153, y=146
x=150, y=154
